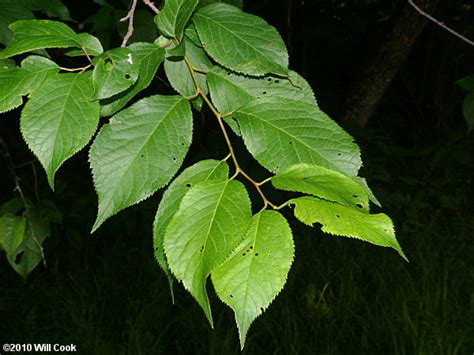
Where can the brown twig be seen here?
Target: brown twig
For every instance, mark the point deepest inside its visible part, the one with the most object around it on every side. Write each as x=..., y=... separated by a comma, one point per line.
x=16, y=179
x=129, y=17
x=152, y=6
x=439, y=23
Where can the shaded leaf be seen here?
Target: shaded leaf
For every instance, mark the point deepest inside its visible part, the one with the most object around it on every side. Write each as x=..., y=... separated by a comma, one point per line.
x=282, y=132
x=60, y=119
x=250, y=279
x=324, y=183
x=139, y=151
x=28, y=254
x=344, y=221
x=213, y=170
x=211, y=220
x=468, y=110
x=149, y=56
x=12, y=231
x=256, y=47
x=467, y=83
x=173, y=18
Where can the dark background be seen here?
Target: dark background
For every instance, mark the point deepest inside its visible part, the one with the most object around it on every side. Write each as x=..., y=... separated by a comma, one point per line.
x=106, y=294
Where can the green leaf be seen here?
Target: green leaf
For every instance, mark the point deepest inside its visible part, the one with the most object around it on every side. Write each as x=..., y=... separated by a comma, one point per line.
x=53, y=8
x=21, y=81
x=468, y=110
x=30, y=35
x=179, y=75
x=139, y=151
x=467, y=83
x=250, y=279
x=150, y=57
x=59, y=119
x=324, y=183
x=116, y=70
x=12, y=231
x=28, y=254
x=282, y=132
x=12, y=206
x=363, y=184
x=212, y=219
x=341, y=220
x=241, y=42
x=230, y=91
x=213, y=170
x=191, y=33
x=7, y=64
x=90, y=44
x=12, y=10
x=172, y=20
x=237, y=3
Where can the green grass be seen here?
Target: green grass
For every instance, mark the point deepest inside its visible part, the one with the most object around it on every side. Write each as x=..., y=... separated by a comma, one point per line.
x=107, y=295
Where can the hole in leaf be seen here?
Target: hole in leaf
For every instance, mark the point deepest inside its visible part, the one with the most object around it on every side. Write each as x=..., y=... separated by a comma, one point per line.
x=228, y=73
x=261, y=309
x=338, y=216
x=188, y=185
x=174, y=158
x=338, y=154
x=251, y=247
x=182, y=143
x=355, y=196
x=141, y=155
x=264, y=92
x=231, y=296
x=269, y=79
x=127, y=76
x=244, y=254
x=359, y=205
x=291, y=143
x=202, y=248
x=256, y=254
x=277, y=81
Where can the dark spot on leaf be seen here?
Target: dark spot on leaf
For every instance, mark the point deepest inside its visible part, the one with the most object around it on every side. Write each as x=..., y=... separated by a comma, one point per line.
x=251, y=247
x=231, y=296
x=244, y=254
x=355, y=196
x=127, y=76
x=338, y=154
x=182, y=143
x=174, y=158
x=338, y=216
x=261, y=309
x=277, y=81
x=359, y=205
x=264, y=92
x=188, y=185
x=256, y=254
x=228, y=73
x=141, y=156
x=291, y=143
x=202, y=248
x=269, y=79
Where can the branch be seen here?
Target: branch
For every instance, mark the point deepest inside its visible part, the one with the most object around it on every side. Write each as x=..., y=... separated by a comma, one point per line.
x=130, y=29
x=16, y=179
x=439, y=23
x=152, y=6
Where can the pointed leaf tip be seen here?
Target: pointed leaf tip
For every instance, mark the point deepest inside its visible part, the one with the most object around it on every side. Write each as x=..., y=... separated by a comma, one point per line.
x=254, y=274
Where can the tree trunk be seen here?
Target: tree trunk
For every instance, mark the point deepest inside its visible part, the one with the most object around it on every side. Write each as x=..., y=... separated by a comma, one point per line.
x=378, y=75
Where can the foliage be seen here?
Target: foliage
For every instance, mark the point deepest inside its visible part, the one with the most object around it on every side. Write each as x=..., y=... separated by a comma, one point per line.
x=204, y=225
x=467, y=84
